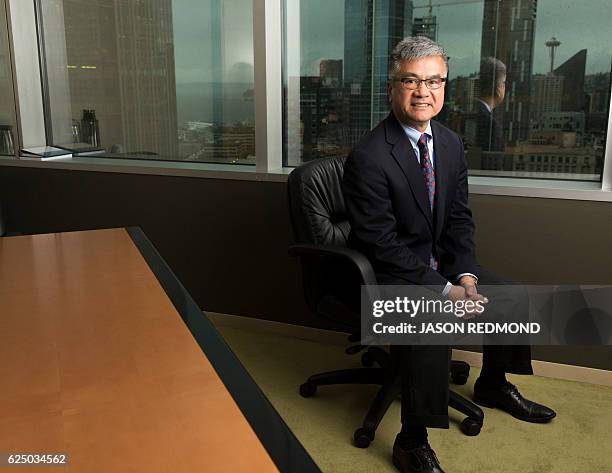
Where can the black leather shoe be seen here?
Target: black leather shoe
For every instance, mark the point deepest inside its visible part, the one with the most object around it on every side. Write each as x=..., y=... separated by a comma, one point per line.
x=421, y=459
x=509, y=399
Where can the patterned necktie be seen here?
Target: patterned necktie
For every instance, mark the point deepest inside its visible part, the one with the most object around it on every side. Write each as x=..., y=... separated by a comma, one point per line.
x=427, y=168
x=430, y=181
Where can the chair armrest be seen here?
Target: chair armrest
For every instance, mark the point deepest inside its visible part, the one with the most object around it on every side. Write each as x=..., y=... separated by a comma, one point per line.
x=360, y=262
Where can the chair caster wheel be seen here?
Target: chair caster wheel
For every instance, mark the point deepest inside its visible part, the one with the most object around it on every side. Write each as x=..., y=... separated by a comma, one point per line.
x=353, y=349
x=459, y=379
x=363, y=437
x=367, y=360
x=470, y=427
x=308, y=389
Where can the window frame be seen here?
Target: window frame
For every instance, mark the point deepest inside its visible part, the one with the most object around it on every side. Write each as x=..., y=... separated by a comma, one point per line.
x=33, y=122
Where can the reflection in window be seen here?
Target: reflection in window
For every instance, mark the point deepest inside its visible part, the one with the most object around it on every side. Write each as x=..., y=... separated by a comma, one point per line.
x=525, y=83
x=152, y=79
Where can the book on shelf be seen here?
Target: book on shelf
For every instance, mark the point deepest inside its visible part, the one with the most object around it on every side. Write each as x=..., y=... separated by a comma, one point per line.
x=82, y=149
x=44, y=153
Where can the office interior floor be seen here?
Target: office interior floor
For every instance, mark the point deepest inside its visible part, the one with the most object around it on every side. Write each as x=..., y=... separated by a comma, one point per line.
x=280, y=357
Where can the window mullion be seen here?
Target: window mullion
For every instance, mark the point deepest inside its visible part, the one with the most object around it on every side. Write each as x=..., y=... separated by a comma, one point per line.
x=267, y=43
x=606, y=180
x=26, y=67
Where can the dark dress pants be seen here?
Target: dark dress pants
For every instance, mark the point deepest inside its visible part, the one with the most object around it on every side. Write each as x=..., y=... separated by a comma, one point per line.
x=425, y=370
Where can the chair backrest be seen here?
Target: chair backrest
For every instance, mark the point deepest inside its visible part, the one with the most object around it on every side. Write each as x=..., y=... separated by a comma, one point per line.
x=318, y=215
x=316, y=203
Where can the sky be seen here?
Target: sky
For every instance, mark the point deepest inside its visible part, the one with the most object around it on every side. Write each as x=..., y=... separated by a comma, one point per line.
x=578, y=25
x=199, y=58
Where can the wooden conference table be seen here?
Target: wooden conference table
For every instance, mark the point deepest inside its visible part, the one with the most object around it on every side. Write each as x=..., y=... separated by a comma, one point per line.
x=106, y=358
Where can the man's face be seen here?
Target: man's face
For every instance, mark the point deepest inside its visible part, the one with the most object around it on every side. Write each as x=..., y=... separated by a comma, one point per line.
x=416, y=107
x=500, y=89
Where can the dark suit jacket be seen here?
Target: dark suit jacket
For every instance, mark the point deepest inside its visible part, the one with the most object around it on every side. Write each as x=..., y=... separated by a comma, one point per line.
x=489, y=133
x=388, y=208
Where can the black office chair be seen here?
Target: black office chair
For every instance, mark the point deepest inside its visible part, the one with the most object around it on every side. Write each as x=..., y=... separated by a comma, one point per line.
x=333, y=275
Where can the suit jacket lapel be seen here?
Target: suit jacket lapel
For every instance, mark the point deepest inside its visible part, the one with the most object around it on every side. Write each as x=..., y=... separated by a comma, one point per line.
x=441, y=166
x=403, y=153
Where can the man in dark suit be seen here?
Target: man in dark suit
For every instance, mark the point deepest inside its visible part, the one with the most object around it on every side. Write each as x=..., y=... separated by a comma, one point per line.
x=492, y=80
x=406, y=191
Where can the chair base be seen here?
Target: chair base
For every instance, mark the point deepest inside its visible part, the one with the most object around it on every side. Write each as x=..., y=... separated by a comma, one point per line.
x=390, y=390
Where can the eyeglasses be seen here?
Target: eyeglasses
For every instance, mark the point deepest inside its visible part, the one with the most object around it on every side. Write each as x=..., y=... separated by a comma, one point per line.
x=413, y=83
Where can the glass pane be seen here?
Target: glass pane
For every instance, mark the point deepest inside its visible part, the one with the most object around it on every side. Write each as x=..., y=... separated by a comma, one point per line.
x=8, y=127
x=528, y=91
x=152, y=79
x=541, y=94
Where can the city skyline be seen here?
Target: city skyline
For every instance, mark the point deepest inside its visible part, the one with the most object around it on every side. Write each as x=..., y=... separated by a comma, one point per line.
x=198, y=61
x=545, y=122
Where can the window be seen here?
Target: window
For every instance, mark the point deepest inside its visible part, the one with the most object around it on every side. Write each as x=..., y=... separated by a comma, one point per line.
x=529, y=61
x=151, y=79
x=8, y=127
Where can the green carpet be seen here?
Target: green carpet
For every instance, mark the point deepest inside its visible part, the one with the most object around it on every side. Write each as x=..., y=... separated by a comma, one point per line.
x=578, y=440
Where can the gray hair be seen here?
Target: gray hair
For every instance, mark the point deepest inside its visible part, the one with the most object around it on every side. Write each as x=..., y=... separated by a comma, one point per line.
x=413, y=48
x=492, y=70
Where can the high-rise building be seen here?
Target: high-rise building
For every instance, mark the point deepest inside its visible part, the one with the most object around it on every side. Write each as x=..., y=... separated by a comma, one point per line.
x=597, y=86
x=461, y=94
x=572, y=71
x=371, y=31
x=560, y=121
x=508, y=30
x=425, y=26
x=322, y=107
x=546, y=93
x=597, y=89
x=330, y=71
x=463, y=91
x=358, y=65
x=121, y=63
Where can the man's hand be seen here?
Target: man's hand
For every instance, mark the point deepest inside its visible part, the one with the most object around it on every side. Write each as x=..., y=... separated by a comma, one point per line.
x=456, y=293
x=471, y=292
x=466, y=291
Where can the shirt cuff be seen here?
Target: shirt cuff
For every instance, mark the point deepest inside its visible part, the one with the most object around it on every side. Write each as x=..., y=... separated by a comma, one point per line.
x=468, y=274
x=446, y=289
